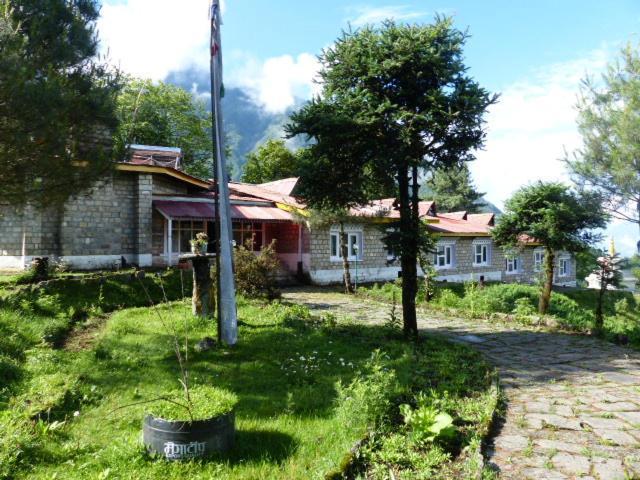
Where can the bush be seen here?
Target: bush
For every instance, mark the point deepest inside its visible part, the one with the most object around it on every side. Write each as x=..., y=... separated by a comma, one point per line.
x=256, y=274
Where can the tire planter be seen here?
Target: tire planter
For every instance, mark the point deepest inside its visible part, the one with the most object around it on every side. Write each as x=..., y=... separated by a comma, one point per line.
x=180, y=440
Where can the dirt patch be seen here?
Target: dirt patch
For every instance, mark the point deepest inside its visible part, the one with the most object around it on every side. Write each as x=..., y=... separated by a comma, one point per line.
x=84, y=335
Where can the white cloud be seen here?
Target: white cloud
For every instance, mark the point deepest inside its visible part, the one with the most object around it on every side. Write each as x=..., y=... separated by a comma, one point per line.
x=529, y=130
x=531, y=126
x=276, y=82
x=149, y=38
x=365, y=15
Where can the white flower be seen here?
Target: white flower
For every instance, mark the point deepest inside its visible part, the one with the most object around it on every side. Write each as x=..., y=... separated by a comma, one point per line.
x=76, y=413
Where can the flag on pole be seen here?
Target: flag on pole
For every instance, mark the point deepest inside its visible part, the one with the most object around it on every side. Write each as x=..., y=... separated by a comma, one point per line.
x=227, y=316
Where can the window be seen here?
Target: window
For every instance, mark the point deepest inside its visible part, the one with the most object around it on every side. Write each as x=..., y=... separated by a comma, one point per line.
x=354, y=246
x=564, y=267
x=182, y=231
x=538, y=260
x=248, y=232
x=481, y=254
x=513, y=265
x=335, y=242
x=443, y=257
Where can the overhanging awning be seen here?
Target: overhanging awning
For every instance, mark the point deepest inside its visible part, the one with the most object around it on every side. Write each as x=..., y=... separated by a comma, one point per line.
x=205, y=211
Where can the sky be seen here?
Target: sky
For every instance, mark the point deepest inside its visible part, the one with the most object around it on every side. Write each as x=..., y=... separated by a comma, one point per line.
x=533, y=53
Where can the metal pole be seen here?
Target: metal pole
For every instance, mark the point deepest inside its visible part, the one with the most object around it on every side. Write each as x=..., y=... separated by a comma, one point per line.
x=227, y=315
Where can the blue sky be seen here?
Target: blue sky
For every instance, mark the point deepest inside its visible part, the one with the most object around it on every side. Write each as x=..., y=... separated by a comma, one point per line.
x=532, y=52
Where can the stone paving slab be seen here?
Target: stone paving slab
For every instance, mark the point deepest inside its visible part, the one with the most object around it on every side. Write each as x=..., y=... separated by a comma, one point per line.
x=573, y=402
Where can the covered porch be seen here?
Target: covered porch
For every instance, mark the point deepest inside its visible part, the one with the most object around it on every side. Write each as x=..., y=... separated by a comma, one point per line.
x=176, y=222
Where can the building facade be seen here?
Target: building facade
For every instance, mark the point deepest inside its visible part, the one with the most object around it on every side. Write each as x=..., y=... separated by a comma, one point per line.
x=147, y=210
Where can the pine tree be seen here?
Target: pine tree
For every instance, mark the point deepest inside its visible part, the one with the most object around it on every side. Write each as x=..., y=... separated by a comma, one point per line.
x=57, y=101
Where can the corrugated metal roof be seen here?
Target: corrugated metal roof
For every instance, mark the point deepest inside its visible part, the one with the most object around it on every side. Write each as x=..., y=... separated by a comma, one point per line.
x=387, y=208
x=284, y=186
x=203, y=210
x=260, y=192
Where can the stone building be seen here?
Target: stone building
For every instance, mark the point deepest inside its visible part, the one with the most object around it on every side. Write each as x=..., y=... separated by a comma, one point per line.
x=147, y=210
x=465, y=250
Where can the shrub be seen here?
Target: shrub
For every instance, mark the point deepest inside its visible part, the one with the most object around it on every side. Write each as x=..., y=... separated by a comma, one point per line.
x=256, y=274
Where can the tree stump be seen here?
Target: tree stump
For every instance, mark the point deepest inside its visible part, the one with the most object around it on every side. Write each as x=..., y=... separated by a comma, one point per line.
x=202, y=300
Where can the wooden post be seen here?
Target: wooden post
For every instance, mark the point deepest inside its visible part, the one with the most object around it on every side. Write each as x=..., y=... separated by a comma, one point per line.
x=202, y=302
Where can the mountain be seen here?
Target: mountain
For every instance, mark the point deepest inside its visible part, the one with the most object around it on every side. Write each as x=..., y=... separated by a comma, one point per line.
x=246, y=124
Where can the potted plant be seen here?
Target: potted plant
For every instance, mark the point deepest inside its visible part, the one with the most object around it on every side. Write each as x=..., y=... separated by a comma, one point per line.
x=199, y=244
x=185, y=426
x=194, y=421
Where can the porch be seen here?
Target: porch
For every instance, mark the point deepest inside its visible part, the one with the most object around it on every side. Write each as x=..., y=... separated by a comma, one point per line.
x=175, y=223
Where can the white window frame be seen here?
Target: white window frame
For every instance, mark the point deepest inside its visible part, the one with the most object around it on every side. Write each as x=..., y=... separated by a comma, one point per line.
x=538, y=259
x=485, y=253
x=512, y=265
x=564, y=261
x=444, y=247
x=353, y=238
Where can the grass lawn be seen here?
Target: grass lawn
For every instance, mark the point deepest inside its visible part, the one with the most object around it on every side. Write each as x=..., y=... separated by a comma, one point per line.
x=308, y=390
x=570, y=308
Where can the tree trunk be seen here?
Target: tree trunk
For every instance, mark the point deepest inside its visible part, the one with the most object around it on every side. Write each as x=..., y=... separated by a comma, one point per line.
x=346, y=275
x=202, y=303
x=638, y=244
x=599, y=323
x=409, y=257
x=545, y=296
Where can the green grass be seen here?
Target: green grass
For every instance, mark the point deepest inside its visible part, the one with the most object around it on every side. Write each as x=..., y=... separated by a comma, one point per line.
x=571, y=308
x=307, y=391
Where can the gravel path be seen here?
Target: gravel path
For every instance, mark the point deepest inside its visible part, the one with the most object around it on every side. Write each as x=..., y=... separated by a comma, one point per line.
x=573, y=402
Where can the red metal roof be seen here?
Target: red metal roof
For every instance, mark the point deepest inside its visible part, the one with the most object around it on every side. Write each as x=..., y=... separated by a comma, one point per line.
x=202, y=210
x=260, y=192
x=284, y=186
x=386, y=208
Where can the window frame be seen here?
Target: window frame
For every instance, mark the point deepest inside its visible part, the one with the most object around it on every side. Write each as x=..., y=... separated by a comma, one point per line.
x=485, y=253
x=358, y=235
x=538, y=264
x=247, y=230
x=515, y=261
x=566, y=261
x=448, y=260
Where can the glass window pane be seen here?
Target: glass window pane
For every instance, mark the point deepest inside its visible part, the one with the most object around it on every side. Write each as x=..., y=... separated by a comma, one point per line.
x=448, y=250
x=334, y=245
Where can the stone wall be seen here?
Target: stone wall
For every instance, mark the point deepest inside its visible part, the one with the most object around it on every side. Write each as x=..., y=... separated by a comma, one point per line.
x=376, y=266
x=94, y=229
x=373, y=266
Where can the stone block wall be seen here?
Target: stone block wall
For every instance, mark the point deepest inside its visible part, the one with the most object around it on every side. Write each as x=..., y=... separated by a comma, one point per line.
x=375, y=265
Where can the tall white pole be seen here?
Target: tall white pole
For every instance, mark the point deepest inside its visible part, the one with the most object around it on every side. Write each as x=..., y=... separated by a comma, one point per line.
x=227, y=315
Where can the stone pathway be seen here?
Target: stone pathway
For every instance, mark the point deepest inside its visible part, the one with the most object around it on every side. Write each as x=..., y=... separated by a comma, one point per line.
x=573, y=402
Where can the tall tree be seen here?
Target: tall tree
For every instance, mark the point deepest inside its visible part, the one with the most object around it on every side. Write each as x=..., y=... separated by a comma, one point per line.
x=56, y=100
x=453, y=190
x=403, y=91
x=158, y=113
x=609, y=123
x=270, y=161
x=556, y=217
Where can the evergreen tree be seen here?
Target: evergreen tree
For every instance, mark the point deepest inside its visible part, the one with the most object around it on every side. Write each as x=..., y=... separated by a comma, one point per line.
x=453, y=190
x=556, y=217
x=396, y=100
x=609, y=122
x=57, y=100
